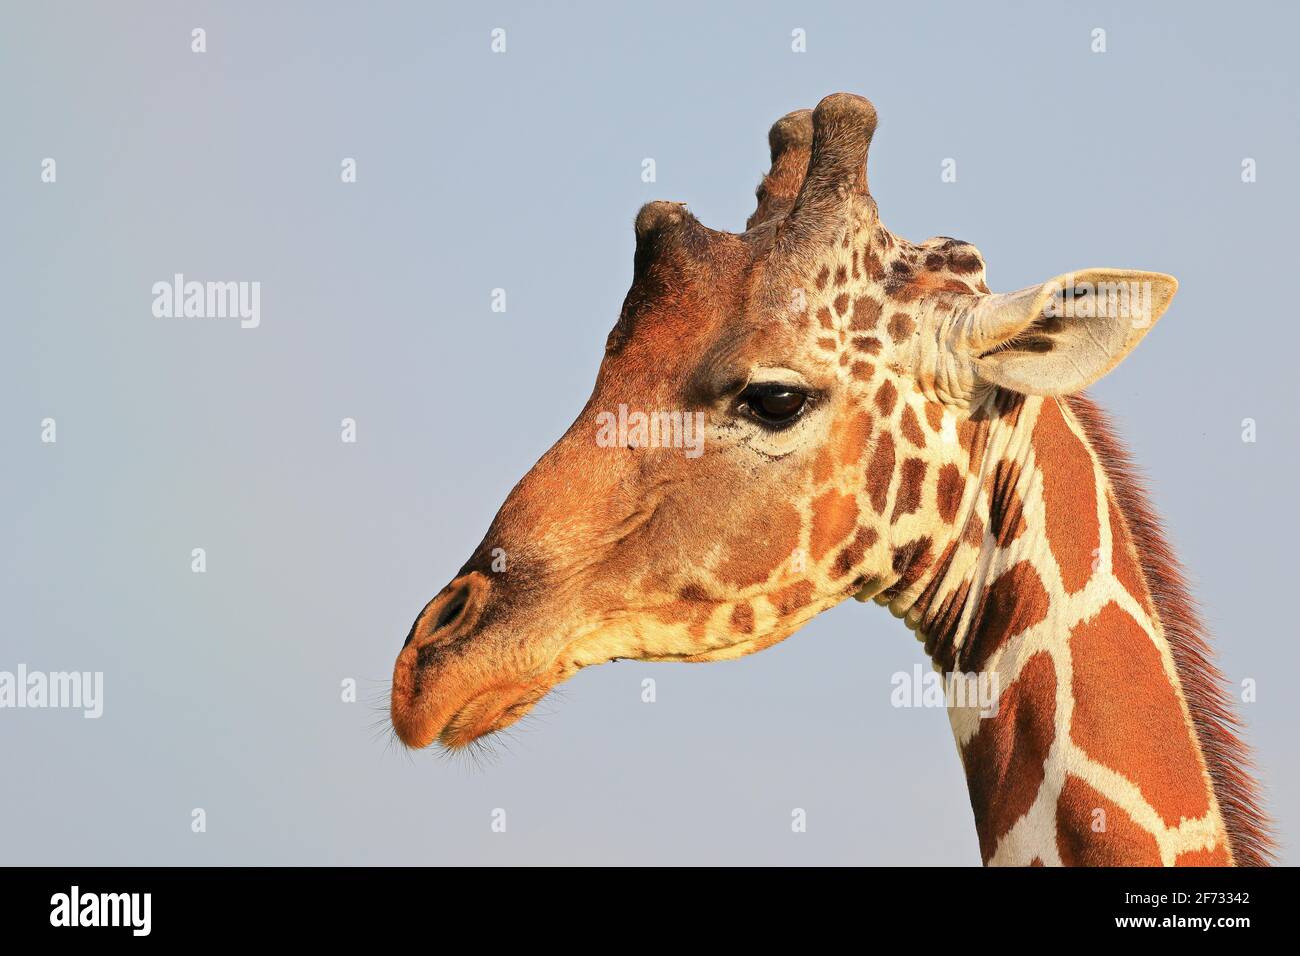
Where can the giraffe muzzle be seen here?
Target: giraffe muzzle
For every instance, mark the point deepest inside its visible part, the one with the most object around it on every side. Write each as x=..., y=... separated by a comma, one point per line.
x=442, y=688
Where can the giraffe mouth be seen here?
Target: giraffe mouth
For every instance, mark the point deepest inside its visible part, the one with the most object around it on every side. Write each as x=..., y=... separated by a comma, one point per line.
x=490, y=711
x=447, y=709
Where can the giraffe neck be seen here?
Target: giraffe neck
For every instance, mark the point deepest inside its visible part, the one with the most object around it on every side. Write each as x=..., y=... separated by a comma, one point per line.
x=1092, y=756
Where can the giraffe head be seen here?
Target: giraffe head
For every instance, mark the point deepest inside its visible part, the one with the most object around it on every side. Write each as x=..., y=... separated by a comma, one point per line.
x=783, y=418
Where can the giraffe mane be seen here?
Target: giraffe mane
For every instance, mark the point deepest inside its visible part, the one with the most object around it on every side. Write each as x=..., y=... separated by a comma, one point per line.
x=1227, y=758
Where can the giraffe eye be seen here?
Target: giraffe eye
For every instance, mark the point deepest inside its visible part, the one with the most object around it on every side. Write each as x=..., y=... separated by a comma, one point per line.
x=773, y=405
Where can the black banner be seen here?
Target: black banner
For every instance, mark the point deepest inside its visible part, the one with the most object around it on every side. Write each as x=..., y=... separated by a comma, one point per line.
x=236, y=904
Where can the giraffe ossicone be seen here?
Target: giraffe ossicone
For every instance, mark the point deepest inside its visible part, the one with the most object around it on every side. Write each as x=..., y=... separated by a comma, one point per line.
x=876, y=423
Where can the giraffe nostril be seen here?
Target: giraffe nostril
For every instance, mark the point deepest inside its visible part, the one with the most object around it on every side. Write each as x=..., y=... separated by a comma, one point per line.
x=458, y=607
x=453, y=610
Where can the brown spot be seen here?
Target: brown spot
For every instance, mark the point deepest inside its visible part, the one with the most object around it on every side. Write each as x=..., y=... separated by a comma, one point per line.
x=974, y=533
x=842, y=303
x=824, y=318
x=823, y=277
x=742, y=619
x=866, y=313
x=972, y=435
x=966, y=429
x=823, y=465
x=792, y=597
x=759, y=546
x=909, y=488
x=872, y=264
x=1069, y=495
x=886, y=394
x=950, y=285
x=1007, y=406
x=690, y=612
x=912, y=427
x=852, y=436
x=1119, y=842
x=900, y=326
x=1127, y=716
x=827, y=343
x=934, y=416
x=834, y=516
x=927, y=596
x=1123, y=559
x=880, y=471
x=1218, y=856
x=965, y=262
x=1006, y=512
x=1004, y=760
x=939, y=625
x=950, y=488
x=842, y=274
x=1011, y=605
x=695, y=592
x=867, y=343
x=909, y=563
x=848, y=559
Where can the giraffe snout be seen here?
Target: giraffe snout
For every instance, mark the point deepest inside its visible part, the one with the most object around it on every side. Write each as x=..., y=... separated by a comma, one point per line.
x=461, y=674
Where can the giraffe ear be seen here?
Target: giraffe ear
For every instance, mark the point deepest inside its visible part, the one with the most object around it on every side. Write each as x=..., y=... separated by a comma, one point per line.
x=1062, y=336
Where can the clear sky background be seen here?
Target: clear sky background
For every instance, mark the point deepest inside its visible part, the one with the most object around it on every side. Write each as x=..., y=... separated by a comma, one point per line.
x=522, y=171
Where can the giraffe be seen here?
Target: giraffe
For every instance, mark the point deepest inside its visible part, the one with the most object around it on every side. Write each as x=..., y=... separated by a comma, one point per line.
x=875, y=423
